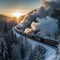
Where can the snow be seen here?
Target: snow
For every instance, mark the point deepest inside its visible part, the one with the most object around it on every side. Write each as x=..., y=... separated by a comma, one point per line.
x=15, y=52
x=58, y=52
x=46, y=27
x=51, y=52
x=17, y=35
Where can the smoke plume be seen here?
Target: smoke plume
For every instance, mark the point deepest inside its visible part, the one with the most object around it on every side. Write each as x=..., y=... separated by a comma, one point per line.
x=46, y=8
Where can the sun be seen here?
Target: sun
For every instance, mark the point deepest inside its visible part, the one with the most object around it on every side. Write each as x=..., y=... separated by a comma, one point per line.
x=17, y=14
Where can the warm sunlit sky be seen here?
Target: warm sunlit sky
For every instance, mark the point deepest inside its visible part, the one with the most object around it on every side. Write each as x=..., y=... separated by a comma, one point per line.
x=23, y=6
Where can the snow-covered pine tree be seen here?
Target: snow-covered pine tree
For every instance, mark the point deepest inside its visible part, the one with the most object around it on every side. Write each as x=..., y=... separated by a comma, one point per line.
x=5, y=29
x=10, y=38
x=28, y=49
x=3, y=50
x=37, y=53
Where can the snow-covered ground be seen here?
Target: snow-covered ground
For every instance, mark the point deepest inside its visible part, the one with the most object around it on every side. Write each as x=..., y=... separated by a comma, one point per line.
x=46, y=28
x=51, y=52
x=39, y=23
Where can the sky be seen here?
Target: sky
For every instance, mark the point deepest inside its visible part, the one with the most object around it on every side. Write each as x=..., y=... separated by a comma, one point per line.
x=24, y=6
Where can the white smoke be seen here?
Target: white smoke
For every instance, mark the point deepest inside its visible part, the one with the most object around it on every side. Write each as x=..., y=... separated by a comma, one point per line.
x=28, y=30
x=46, y=8
x=48, y=25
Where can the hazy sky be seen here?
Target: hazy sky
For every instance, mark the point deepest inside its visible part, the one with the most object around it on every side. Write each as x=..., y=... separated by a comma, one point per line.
x=9, y=6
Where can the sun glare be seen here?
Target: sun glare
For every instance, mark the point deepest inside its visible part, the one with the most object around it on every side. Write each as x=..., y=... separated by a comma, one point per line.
x=17, y=14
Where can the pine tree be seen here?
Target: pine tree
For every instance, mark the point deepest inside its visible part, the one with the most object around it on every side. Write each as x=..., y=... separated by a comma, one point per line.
x=28, y=49
x=5, y=30
x=10, y=38
x=3, y=50
x=37, y=53
x=41, y=49
x=22, y=51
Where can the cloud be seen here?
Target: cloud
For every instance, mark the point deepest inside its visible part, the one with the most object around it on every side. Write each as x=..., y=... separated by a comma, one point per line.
x=47, y=25
x=46, y=8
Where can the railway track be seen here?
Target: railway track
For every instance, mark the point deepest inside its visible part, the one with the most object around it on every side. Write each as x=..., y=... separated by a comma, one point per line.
x=38, y=39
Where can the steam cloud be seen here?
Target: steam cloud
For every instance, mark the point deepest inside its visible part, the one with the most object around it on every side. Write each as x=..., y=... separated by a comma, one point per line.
x=46, y=8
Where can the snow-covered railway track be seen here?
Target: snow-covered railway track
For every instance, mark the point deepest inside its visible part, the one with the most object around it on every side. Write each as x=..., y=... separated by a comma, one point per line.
x=39, y=39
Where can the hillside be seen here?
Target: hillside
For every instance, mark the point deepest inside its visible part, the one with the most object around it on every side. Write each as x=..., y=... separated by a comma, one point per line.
x=35, y=36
